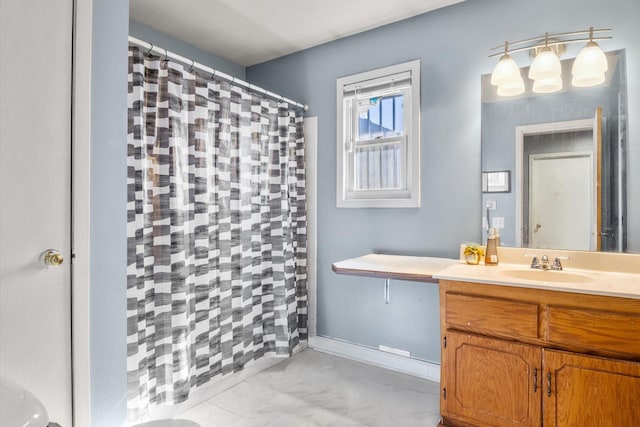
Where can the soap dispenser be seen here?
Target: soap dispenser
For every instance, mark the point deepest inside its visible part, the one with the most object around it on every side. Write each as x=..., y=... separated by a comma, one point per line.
x=491, y=254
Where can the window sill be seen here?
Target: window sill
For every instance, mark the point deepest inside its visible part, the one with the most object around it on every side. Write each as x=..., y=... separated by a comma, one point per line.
x=378, y=203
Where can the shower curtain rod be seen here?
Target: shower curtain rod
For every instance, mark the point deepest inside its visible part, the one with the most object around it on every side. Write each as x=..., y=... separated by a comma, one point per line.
x=193, y=64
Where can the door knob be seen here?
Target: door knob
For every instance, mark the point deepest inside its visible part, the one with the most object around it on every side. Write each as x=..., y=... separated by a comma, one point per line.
x=51, y=258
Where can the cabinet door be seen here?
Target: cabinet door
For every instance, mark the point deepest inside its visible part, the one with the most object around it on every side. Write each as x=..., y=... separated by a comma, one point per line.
x=491, y=382
x=590, y=391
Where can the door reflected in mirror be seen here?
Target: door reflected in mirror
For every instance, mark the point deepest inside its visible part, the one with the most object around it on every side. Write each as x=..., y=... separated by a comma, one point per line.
x=567, y=154
x=559, y=183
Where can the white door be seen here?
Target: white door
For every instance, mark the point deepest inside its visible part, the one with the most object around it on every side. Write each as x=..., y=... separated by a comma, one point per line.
x=561, y=188
x=35, y=203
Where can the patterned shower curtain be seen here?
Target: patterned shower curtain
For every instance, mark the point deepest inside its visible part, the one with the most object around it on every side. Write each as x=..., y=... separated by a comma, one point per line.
x=216, y=272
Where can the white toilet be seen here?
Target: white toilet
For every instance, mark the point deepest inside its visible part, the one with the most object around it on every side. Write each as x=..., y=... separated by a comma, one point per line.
x=18, y=407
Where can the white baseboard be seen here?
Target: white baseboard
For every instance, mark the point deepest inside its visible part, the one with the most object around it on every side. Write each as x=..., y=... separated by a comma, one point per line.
x=405, y=365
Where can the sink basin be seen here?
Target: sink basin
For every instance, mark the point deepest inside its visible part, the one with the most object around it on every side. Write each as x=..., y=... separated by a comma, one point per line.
x=547, y=276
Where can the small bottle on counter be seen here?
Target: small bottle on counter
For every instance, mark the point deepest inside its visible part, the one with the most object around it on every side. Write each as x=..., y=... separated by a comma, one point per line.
x=491, y=254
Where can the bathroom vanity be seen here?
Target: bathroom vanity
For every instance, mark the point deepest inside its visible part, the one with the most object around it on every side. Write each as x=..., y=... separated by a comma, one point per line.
x=524, y=347
x=514, y=356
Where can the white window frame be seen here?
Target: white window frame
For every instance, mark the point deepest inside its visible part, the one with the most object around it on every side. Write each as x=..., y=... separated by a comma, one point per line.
x=408, y=196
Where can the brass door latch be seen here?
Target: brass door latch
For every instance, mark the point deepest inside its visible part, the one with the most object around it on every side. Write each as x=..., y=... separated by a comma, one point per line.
x=51, y=258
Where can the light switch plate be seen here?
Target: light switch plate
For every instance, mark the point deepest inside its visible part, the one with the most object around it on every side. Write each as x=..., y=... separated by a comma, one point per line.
x=497, y=222
x=491, y=205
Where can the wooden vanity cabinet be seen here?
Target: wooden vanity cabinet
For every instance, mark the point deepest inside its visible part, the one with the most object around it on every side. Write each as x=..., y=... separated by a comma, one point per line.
x=590, y=391
x=528, y=357
x=491, y=381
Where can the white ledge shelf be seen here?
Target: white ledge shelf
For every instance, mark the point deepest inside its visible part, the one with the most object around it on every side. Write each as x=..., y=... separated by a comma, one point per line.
x=396, y=267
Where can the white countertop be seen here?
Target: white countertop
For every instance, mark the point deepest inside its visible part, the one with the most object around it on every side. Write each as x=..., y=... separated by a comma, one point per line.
x=430, y=269
x=399, y=267
x=625, y=285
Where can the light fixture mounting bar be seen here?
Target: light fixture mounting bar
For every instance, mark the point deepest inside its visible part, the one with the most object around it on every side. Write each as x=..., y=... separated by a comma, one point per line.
x=551, y=43
x=553, y=39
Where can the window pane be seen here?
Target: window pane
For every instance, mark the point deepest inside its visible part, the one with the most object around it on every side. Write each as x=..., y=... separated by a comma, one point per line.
x=374, y=118
x=364, y=124
x=374, y=168
x=399, y=114
x=378, y=167
x=386, y=106
x=391, y=166
x=380, y=117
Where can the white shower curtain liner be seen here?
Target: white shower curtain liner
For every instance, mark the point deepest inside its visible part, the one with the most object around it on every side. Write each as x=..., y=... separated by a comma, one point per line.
x=216, y=230
x=193, y=65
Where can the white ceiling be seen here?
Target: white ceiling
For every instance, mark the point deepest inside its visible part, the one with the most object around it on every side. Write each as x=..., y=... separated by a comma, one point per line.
x=248, y=32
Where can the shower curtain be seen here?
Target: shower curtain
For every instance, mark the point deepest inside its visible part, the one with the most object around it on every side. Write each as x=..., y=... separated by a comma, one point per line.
x=216, y=273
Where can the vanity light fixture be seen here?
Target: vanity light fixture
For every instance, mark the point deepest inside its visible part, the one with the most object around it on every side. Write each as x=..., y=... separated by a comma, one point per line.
x=546, y=65
x=549, y=85
x=546, y=71
x=506, y=75
x=512, y=88
x=590, y=65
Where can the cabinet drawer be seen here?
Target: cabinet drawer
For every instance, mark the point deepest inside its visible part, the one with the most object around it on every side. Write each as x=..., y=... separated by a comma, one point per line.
x=594, y=330
x=491, y=316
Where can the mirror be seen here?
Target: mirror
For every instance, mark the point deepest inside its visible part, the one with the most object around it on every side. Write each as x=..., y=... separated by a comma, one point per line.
x=564, y=154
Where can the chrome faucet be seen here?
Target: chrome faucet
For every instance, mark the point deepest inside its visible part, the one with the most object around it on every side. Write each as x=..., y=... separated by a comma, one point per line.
x=544, y=264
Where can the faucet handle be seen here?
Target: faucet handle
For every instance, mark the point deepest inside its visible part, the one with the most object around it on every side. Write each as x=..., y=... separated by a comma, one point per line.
x=535, y=263
x=557, y=265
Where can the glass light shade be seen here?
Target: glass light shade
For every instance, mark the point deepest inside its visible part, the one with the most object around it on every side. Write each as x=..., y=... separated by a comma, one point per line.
x=589, y=67
x=506, y=71
x=587, y=81
x=547, y=85
x=546, y=65
x=512, y=88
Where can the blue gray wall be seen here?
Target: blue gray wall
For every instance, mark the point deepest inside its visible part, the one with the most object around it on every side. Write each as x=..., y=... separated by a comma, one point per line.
x=157, y=38
x=109, y=212
x=453, y=46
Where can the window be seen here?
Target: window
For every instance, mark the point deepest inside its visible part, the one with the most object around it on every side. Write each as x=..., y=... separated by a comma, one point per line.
x=378, y=138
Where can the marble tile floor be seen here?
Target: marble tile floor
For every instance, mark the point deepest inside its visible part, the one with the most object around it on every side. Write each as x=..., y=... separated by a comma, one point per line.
x=316, y=389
